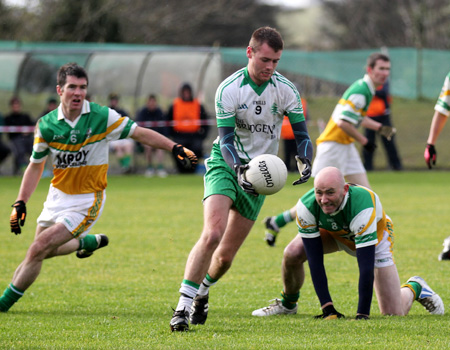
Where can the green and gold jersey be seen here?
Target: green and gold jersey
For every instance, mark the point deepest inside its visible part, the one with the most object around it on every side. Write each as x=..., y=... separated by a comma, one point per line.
x=443, y=103
x=359, y=222
x=256, y=112
x=352, y=107
x=79, y=149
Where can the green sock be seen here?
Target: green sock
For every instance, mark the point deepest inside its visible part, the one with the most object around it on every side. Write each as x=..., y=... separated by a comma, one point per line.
x=208, y=282
x=10, y=296
x=125, y=161
x=88, y=242
x=289, y=301
x=416, y=287
x=283, y=218
x=210, y=279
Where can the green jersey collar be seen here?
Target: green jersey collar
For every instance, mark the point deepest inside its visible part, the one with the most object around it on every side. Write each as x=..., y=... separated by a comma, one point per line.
x=258, y=89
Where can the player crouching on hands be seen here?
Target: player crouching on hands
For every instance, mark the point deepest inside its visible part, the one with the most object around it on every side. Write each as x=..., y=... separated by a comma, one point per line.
x=336, y=216
x=75, y=136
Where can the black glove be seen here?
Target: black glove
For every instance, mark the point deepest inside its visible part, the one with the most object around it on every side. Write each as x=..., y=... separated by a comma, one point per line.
x=184, y=156
x=240, y=169
x=370, y=147
x=304, y=168
x=430, y=155
x=18, y=216
x=362, y=317
x=329, y=313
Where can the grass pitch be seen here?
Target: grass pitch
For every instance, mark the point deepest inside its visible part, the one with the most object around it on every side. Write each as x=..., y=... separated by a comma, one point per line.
x=121, y=297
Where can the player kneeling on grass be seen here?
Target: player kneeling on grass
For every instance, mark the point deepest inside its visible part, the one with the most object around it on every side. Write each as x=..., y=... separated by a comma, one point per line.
x=76, y=137
x=338, y=216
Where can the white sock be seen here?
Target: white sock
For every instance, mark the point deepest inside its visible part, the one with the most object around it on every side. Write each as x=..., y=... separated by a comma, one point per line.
x=187, y=296
x=204, y=287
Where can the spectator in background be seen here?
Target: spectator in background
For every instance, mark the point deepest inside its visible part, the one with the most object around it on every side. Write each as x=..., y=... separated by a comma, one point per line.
x=21, y=142
x=151, y=112
x=123, y=149
x=52, y=104
x=187, y=113
x=4, y=150
x=380, y=111
x=289, y=145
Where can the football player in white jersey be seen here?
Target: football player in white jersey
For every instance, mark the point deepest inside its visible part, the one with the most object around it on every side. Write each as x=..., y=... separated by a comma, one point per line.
x=440, y=117
x=336, y=216
x=250, y=107
x=76, y=137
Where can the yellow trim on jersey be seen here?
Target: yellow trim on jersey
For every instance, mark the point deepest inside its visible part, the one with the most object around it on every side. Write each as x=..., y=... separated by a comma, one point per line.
x=334, y=133
x=445, y=93
x=344, y=102
x=92, y=139
x=337, y=236
x=300, y=223
x=38, y=139
x=86, y=179
x=382, y=224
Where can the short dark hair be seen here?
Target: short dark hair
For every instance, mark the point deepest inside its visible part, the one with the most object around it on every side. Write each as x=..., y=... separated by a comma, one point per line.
x=266, y=35
x=72, y=69
x=113, y=96
x=14, y=99
x=373, y=58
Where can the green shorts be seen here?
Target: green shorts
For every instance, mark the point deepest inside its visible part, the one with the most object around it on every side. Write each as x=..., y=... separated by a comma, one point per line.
x=221, y=179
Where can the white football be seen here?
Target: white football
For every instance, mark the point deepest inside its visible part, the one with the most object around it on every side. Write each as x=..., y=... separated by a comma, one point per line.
x=267, y=173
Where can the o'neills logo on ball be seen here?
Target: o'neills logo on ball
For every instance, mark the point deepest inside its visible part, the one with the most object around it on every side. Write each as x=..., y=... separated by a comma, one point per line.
x=265, y=171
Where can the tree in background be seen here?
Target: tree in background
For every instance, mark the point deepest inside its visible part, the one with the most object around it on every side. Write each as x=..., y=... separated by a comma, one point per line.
x=81, y=21
x=172, y=22
x=356, y=24
x=334, y=25
x=200, y=22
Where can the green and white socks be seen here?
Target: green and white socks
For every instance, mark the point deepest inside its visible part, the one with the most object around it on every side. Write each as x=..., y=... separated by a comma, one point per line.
x=282, y=219
x=10, y=296
x=189, y=290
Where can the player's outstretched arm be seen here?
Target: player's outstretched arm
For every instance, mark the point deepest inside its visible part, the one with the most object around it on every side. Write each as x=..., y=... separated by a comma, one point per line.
x=437, y=124
x=152, y=138
x=30, y=180
x=185, y=157
x=29, y=183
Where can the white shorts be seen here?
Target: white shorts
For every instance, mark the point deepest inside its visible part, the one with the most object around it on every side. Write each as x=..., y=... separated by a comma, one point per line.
x=344, y=157
x=77, y=212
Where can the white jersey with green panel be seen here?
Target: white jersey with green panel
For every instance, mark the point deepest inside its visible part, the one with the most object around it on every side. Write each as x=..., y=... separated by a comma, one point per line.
x=352, y=107
x=79, y=149
x=443, y=103
x=256, y=112
x=359, y=222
